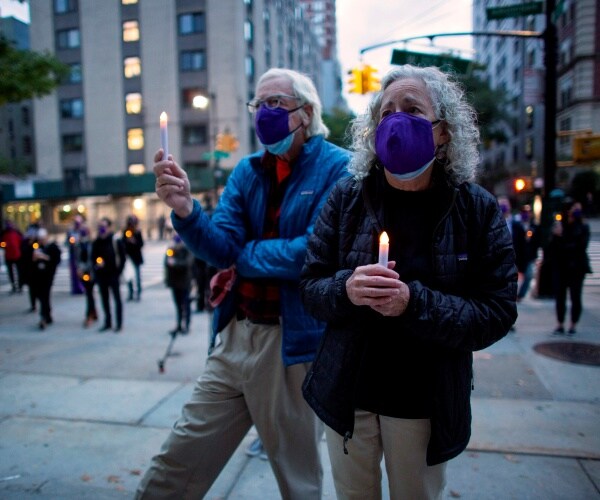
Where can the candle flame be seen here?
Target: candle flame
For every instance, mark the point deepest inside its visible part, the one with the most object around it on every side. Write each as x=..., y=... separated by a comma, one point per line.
x=163, y=119
x=384, y=238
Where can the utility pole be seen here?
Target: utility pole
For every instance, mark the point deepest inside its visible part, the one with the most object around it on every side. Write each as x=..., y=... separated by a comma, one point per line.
x=550, y=55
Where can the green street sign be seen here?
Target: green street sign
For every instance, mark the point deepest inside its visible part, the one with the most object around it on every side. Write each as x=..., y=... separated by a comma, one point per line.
x=514, y=10
x=215, y=155
x=400, y=57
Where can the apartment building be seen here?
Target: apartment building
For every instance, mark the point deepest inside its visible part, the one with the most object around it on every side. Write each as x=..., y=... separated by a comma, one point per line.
x=197, y=60
x=517, y=66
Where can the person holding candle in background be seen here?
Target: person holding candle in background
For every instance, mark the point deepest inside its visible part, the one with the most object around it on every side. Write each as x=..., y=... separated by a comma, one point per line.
x=392, y=377
x=266, y=340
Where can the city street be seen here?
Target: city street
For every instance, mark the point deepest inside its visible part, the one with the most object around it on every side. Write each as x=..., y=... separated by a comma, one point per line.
x=82, y=412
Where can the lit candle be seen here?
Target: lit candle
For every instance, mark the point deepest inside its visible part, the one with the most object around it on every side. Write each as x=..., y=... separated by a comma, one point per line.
x=384, y=248
x=164, y=137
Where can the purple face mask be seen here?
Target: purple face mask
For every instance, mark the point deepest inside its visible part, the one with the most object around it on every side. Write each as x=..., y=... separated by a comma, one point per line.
x=404, y=144
x=272, y=124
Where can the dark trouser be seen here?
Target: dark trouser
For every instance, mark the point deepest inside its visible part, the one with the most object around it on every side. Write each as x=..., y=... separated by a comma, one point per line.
x=41, y=291
x=181, y=298
x=12, y=266
x=575, y=286
x=90, y=308
x=112, y=285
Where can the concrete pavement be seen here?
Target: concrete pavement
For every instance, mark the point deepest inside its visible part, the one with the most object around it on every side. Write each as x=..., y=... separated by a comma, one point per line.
x=82, y=413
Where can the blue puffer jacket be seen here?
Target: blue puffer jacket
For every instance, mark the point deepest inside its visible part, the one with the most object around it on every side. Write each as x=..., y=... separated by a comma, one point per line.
x=233, y=235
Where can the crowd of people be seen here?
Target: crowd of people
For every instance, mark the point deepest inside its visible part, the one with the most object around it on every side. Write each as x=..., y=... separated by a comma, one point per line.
x=99, y=262
x=314, y=308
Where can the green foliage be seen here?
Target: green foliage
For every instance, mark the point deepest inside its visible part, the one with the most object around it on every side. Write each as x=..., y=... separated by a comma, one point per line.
x=18, y=167
x=491, y=105
x=26, y=74
x=338, y=122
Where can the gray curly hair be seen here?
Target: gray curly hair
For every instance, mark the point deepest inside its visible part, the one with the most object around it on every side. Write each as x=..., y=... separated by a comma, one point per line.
x=305, y=89
x=460, y=156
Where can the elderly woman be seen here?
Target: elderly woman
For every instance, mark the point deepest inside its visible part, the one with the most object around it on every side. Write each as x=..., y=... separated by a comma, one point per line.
x=393, y=374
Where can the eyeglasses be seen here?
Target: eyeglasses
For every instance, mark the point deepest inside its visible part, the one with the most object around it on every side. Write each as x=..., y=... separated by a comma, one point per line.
x=271, y=102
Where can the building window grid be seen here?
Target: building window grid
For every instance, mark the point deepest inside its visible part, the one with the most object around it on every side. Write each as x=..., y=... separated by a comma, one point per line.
x=133, y=103
x=132, y=67
x=131, y=31
x=67, y=38
x=65, y=6
x=71, y=108
x=192, y=60
x=191, y=23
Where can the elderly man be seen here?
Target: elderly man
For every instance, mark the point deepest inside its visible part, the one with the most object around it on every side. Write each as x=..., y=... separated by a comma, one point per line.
x=267, y=341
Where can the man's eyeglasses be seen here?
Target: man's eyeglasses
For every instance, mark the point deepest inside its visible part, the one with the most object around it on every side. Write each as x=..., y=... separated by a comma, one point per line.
x=271, y=102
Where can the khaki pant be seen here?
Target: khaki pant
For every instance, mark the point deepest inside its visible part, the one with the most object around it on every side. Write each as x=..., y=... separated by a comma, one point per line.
x=403, y=443
x=244, y=383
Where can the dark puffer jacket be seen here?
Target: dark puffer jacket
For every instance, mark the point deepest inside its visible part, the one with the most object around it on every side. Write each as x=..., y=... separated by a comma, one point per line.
x=471, y=306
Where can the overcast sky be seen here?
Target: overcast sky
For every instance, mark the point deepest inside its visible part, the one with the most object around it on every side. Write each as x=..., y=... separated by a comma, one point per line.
x=362, y=23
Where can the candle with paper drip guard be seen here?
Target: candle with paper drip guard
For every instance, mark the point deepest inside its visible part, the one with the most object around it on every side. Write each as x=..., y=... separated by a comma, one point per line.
x=164, y=136
x=384, y=249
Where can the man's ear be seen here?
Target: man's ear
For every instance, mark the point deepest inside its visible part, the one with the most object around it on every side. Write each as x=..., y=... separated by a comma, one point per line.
x=308, y=110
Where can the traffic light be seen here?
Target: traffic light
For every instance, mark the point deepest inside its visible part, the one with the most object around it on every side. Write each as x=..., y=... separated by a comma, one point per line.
x=226, y=142
x=355, y=81
x=370, y=83
x=523, y=184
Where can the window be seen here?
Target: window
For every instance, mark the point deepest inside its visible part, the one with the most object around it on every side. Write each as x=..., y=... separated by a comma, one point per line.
x=188, y=96
x=131, y=31
x=74, y=75
x=529, y=116
x=64, y=6
x=128, y=2
x=248, y=31
x=529, y=147
x=25, y=116
x=192, y=60
x=136, y=169
x=72, y=143
x=195, y=135
x=135, y=138
x=191, y=23
x=71, y=108
x=67, y=39
x=27, y=145
x=132, y=67
x=133, y=103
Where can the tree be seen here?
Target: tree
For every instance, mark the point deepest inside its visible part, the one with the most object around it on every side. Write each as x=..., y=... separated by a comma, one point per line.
x=25, y=74
x=338, y=122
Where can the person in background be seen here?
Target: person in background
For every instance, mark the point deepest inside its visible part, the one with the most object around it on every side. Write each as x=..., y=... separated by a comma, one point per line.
x=267, y=341
x=26, y=263
x=132, y=236
x=392, y=378
x=108, y=256
x=568, y=245
x=72, y=242
x=46, y=258
x=179, y=265
x=11, y=241
x=526, y=237
x=85, y=270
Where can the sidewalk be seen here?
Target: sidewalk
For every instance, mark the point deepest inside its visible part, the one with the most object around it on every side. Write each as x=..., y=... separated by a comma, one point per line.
x=82, y=413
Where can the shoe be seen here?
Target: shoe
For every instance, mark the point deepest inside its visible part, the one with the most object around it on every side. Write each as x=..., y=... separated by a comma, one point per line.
x=42, y=325
x=184, y=331
x=117, y=329
x=263, y=455
x=255, y=448
x=559, y=331
x=105, y=328
x=572, y=331
x=174, y=332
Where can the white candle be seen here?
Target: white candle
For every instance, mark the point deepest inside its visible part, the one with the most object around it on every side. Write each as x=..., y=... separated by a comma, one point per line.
x=384, y=249
x=164, y=136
